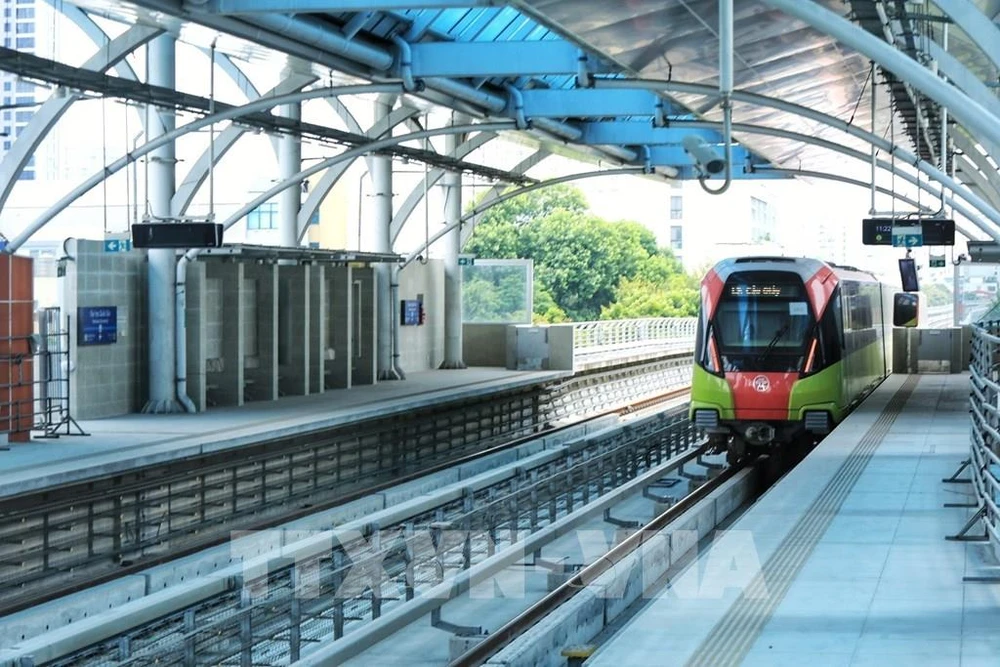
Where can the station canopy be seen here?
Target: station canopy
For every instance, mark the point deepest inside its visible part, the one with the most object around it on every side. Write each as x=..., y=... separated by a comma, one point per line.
x=560, y=69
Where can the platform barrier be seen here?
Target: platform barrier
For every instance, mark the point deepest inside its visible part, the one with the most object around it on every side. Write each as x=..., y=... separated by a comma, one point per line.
x=984, y=459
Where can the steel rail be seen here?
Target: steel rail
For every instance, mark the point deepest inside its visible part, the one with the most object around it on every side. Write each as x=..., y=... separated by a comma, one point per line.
x=510, y=631
x=269, y=613
x=106, y=567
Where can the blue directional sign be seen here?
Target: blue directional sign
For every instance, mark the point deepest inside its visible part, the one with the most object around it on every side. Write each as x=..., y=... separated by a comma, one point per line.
x=907, y=236
x=97, y=325
x=117, y=245
x=3, y=244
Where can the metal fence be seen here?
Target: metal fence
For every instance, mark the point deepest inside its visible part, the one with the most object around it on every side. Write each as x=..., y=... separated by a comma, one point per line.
x=41, y=362
x=621, y=337
x=984, y=460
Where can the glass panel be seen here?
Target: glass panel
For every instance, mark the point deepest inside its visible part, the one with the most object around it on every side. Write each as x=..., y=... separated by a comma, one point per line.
x=763, y=325
x=497, y=291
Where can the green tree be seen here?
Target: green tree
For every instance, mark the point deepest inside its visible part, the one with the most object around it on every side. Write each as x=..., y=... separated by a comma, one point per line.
x=584, y=264
x=534, y=205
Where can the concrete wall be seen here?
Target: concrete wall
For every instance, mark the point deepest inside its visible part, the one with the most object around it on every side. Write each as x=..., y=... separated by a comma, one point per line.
x=363, y=309
x=225, y=280
x=294, y=330
x=106, y=380
x=196, y=333
x=338, y=350
x=261, y=360
x=319, y=312
x=421, y=347
x=484, y=344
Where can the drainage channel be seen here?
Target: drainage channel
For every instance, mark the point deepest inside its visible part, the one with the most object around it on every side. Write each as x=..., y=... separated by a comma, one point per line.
x=295, y=587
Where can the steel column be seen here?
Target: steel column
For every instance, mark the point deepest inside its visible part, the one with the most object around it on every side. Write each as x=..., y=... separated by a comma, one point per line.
x=452, y=272
x=376, y=235
x=430, y=180
x=160, y=266
x=289, y=163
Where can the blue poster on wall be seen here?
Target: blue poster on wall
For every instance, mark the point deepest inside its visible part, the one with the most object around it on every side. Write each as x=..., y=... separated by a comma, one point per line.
x=97, y=325
x=409, y=314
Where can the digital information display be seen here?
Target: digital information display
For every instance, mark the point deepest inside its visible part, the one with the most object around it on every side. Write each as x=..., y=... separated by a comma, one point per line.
x=765, y=290
x=878, y=231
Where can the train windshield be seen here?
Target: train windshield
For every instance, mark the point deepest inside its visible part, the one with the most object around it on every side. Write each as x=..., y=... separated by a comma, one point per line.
x=763, y=323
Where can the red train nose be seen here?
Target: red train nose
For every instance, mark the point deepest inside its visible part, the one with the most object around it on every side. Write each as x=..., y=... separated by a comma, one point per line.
x=761, y=396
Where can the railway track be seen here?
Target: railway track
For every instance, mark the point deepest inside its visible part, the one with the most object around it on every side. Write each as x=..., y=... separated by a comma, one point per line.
x=593, y=573
x=522, y=501
x=70, y=537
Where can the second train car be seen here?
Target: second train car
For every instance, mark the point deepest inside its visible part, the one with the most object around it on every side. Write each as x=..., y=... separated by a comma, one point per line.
x=785, y=348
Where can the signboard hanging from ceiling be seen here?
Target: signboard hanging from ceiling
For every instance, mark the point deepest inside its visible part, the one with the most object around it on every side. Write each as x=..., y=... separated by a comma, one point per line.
x=879, y=231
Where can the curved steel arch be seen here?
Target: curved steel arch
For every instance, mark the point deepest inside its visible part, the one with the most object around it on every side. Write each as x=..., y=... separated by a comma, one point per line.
x=522, y=167
x=981, y=30
x=326, y=183
x=48, y=114
x=235, y=112
x=418, y=192
x=479, y=210
x=807, y=173
x=968, y=112
x=963, y=143
x=225, y=140
x=743, y=127
x=992, y=214
x=753, y=98
x=350, y=154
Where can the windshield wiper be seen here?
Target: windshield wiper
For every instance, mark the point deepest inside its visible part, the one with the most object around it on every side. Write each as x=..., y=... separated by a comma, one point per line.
x=774, y=341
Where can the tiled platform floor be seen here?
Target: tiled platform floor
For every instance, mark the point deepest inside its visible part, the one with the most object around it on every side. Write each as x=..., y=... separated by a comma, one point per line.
x=881, y=586
x=133, y=440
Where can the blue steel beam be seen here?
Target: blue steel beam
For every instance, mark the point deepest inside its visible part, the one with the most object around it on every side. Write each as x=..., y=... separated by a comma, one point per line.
x=489, y=59
x=590, y=103
x=320, y=6
x=639, y=133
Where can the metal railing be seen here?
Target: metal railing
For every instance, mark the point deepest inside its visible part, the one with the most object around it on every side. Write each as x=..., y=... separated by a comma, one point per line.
x=621, y=337
x=984, y=459
x=35, y=395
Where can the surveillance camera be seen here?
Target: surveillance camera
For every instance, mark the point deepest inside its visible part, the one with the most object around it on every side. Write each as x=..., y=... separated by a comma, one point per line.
x=704, y=155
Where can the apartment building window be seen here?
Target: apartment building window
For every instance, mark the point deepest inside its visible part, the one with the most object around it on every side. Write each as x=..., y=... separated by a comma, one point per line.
x=676, y=207
x=264, y=216
x=676, y=237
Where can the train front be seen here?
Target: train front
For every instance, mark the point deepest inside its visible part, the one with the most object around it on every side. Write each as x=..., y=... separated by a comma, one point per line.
x=758, y=337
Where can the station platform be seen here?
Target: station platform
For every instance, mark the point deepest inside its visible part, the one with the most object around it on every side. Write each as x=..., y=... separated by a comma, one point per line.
x=843, y=562
x=131, y=441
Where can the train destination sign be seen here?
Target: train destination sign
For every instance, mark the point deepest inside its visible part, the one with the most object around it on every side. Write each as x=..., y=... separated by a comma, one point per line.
x=878, y=231
x=763, y=290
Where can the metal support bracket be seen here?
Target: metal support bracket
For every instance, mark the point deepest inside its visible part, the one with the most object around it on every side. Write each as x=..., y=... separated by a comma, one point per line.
x=961, y=535
x=693, y=476
x=457, y=630
x=621, y=523
x=708, y=464
x=667, y=483
x=954, y=479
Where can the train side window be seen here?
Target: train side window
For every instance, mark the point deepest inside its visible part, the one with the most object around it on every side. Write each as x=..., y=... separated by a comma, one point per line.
x=838, y=318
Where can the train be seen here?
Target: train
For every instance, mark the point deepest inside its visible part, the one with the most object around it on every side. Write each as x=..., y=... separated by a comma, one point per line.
x=785, y=348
